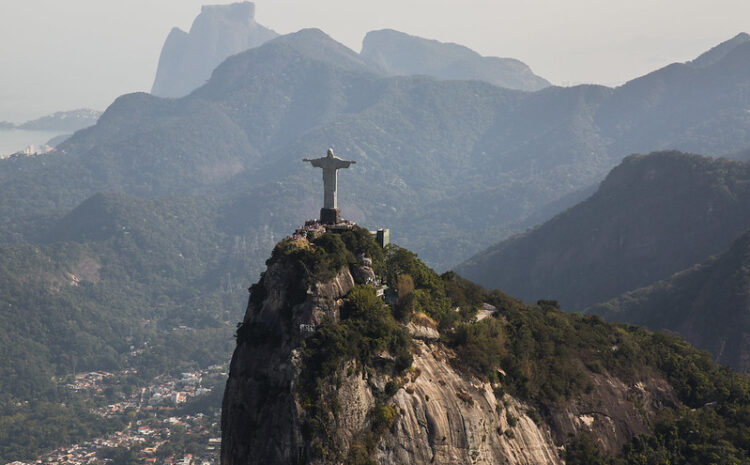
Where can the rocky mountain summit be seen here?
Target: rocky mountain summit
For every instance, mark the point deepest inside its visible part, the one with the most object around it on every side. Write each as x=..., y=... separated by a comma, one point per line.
x=188, y=58
x=349, y=353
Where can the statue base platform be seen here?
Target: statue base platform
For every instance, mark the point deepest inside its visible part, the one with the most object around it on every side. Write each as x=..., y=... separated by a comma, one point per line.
x=330, y=216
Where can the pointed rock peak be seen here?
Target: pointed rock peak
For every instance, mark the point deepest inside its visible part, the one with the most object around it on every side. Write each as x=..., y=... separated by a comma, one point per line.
x=720, y=51
x=313, y=37
x=317, y=45
x=176, y=31
x=311, y=33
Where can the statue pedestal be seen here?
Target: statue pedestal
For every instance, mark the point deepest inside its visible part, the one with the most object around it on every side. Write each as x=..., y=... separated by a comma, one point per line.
x=330, y=216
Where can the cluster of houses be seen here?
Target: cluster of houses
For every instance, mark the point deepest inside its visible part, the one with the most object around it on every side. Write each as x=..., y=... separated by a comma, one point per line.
x=145, y=439
x=91, y=381
x=172, y=392
x=153, y=416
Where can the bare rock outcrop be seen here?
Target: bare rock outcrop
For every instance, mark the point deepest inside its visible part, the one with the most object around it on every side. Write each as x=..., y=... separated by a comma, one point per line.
x=262, y=416
x=434, y=411
x=444, y=415
x=448, y=417
x=422, y=332
x=188, y=58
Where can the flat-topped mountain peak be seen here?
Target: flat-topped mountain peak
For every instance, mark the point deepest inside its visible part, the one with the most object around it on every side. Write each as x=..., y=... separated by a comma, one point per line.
x=219, y=31
x=397, y=53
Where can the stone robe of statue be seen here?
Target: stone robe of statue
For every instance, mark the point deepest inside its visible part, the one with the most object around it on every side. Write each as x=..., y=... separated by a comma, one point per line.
x=330, y=164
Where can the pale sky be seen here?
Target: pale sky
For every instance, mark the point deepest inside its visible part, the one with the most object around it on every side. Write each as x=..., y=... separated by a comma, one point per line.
x=66, y=54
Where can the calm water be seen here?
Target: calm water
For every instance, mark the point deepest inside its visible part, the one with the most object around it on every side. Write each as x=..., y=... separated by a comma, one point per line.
x=15, y=140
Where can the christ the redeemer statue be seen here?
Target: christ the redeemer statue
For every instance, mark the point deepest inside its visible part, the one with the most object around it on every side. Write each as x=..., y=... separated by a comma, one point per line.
x=329, y=214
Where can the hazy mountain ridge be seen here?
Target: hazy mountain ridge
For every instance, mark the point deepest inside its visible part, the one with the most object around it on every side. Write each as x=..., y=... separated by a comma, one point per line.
x=708, y=304
x=652, y=216
x=682, y=107
x=222, y=169
x=718, y=52
x=454, y=142
x=402, y=54
x=303, y=91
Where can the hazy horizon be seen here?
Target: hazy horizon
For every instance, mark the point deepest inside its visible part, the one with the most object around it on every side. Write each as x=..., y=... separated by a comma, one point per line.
x=85, y=53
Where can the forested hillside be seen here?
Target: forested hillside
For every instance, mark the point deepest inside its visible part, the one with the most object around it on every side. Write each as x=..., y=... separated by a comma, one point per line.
x=652, y=216
x=708, y=304
x=451, y=166
x=417, y=380
x=201, y=187
x=117, y=283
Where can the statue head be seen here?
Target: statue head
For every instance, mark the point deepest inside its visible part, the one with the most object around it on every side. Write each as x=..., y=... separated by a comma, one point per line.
x=330, y=153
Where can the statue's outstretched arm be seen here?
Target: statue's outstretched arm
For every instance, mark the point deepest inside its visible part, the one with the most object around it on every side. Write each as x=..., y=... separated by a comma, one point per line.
x=344, y=163
x=316, y=162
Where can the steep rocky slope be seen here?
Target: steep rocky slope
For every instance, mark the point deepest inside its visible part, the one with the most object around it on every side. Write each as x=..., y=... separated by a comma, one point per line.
x=651, y=217
x=708, y=304
x=325, y=372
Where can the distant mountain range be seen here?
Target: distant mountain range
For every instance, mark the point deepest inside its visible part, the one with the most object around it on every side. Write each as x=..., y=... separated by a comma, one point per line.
x=708, y=304
x=651, y=217
x=450, y=166
x=68, y=121
x=201, y=187
x=399, y=54
x=188, y=58
x=220, y=31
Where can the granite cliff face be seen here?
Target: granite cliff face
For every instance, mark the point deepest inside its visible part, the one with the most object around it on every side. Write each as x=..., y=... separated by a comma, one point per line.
x=435, y=411
x=447, y=417
x=188, y=58
x=262, y=416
